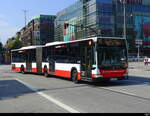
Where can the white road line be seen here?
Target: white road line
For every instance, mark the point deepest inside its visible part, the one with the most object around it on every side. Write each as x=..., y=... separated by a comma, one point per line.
x=119, y=91
x=62, y=105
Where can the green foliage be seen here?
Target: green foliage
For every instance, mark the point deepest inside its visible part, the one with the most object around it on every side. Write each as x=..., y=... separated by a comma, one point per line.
x=1, y=47
x=16, y=44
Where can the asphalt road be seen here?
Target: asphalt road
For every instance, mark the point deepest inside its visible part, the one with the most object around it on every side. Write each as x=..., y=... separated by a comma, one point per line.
x=31, y=93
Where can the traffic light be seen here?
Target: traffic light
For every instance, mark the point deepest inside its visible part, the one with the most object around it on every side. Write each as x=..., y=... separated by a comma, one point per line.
x=66, y=25
x=82, y=26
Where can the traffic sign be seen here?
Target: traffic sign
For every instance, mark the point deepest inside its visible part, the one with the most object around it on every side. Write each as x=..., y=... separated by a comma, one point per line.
x=139, y=42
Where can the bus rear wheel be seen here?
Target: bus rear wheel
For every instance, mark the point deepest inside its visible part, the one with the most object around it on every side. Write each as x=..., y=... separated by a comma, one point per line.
x=74, y=76
x=46, y=72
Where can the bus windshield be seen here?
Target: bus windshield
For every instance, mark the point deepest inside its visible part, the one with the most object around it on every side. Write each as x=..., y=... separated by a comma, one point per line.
x=112, y=53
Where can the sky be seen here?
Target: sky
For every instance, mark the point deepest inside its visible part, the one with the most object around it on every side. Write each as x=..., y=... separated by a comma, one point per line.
x=12, y=15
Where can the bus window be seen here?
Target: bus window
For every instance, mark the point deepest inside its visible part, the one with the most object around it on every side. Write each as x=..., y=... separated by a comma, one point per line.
x=18, y=56
x=111, y=53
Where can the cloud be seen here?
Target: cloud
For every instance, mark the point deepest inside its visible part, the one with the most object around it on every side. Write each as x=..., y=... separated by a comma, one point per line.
x=6, y=29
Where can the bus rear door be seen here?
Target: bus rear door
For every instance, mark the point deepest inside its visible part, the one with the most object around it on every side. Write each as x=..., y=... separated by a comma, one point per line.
x=39, y=60
x=52, y=61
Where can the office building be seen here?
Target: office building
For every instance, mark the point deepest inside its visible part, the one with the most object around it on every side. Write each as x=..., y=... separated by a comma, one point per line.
x=89, y=18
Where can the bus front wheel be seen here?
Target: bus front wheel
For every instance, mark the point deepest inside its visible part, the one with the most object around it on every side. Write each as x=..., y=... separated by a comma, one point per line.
x=22, y=70
x=74, y=76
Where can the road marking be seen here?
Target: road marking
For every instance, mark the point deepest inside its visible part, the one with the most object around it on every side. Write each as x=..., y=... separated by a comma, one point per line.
x=62, y=105
x=124, y=92
x=119, y=91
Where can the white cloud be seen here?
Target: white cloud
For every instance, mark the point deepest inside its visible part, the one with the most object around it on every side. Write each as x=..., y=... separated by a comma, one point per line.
x=6, y=29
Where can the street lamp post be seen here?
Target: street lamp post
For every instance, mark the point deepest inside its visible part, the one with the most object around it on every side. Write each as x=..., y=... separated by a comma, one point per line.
x=124, y=27
x=138, y=56
x=124, y=15
x=124, y=12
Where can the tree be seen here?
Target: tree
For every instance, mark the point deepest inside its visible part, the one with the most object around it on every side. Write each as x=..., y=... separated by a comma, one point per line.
x=1, y=47
x=2, y=51
x=15, y=44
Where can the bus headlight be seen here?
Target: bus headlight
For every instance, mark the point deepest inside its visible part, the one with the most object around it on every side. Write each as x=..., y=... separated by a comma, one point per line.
x=98, y=76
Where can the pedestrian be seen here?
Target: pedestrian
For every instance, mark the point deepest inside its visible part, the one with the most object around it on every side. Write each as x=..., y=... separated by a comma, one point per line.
x=146, y=59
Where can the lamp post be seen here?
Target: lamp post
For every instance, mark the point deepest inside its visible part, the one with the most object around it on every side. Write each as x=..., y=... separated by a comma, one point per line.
x=124, y=15
x=138, y=56
x=142, y=39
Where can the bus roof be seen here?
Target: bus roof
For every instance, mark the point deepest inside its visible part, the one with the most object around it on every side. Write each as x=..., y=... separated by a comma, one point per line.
x=27, y=48
x=59, y=43
x=93, y=38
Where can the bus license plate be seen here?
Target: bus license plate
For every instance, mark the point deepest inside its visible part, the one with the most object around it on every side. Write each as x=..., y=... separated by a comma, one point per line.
x=114, y=79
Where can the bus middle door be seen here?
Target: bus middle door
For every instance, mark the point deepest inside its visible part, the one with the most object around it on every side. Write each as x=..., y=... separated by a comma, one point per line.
x=52, y=61
x=29, y=61
x=86, y=66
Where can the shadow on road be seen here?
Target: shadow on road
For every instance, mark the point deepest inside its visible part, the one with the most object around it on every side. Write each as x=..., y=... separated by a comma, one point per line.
x=11, y=89
x=133, y=81
x=140, y=78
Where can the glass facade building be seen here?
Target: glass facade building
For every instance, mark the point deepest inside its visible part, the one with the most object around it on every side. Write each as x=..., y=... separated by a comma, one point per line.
x=106, y=18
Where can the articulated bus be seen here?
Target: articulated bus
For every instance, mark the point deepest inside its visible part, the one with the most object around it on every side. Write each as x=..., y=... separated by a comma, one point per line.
x=92, y=59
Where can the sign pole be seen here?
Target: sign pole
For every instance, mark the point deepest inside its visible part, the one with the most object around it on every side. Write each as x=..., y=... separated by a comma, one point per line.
x=138, y=56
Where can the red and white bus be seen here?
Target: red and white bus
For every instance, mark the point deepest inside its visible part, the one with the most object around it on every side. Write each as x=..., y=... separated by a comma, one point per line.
x=97, y=58
x=27, y=59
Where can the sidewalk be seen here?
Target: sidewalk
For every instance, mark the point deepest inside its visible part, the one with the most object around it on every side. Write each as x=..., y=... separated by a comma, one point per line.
x=139, y=66
x=139, y=69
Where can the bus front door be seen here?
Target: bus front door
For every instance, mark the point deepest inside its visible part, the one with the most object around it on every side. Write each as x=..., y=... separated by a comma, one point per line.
x=52, y=66
x=86, y=68
x=51, y=61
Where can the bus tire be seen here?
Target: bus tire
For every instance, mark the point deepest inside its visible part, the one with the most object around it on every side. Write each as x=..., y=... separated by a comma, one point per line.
x=22, y=69
x=45, y=72
x=74, y=76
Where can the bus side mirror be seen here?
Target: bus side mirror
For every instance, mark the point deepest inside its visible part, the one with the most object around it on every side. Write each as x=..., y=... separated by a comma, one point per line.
x=47, y=59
